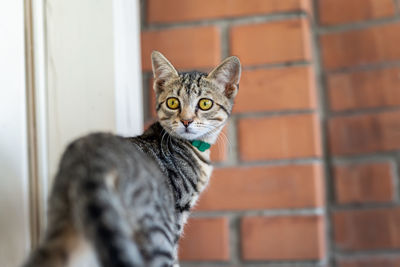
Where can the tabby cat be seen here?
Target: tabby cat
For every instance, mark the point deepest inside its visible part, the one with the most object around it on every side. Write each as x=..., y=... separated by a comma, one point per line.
x=122, y=202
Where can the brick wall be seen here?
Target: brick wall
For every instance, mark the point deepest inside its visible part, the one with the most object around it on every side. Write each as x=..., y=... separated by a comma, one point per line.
x=310, y=175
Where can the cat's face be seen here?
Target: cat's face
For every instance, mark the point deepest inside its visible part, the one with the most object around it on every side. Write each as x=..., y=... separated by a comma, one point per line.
x=194, y=105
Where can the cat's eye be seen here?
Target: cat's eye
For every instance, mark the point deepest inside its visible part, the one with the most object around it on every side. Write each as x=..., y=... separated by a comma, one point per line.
x=173, y=103
x=205, y=104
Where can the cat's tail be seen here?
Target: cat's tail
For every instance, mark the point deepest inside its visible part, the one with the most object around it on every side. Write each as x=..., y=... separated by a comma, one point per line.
x=97, y=233
x=53, y=251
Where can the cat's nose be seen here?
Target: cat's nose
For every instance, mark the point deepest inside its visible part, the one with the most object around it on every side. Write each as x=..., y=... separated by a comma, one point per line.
x=186, y=123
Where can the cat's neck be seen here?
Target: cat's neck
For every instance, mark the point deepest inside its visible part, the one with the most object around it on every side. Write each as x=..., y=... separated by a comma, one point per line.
x=209, y=139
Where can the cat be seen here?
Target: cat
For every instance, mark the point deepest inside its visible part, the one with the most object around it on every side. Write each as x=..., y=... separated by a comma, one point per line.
x=123, y=202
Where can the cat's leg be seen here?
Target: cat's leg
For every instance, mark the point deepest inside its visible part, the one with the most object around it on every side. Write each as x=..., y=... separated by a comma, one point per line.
x=156, y=250
x=100, y=216
x=154, y=233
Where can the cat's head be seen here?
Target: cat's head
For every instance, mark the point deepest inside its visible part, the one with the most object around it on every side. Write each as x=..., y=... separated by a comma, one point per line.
x=194, y=105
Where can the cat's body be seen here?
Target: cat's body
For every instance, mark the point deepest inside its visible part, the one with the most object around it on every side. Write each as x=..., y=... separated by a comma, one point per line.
x=121, y=175
x=124, y=201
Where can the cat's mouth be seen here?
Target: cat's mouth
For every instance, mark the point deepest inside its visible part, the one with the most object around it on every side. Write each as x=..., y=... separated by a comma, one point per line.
x=188, y=133
x=186, y=130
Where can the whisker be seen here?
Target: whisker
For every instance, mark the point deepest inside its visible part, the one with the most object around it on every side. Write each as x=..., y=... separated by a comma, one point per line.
x=222, y=138
x=226, y=140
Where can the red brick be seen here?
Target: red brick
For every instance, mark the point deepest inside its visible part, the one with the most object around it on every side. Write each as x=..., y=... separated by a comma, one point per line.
x=365, y=89
x=272, y=42
x=282, y=238
x=360, y=47
x=186, y=48
x=360, y=183
x=378, y=261
x=276, y=89
x=365, y=133
x=333, y=12
x=186, y=10
x=269, y=187
x=148, y=123
x=205, y=239
x=280, y=137
x=367, y=229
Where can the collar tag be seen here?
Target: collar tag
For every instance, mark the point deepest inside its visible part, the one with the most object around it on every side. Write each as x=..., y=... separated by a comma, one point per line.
x=200, y=145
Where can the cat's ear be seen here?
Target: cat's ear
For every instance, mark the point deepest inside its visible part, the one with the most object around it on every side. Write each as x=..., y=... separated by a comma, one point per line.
x=227, y=75
x=162, y=68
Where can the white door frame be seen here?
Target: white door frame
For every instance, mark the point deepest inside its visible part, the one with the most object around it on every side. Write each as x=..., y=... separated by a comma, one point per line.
x=37, y=71
x=128, y=71
x=127, y=81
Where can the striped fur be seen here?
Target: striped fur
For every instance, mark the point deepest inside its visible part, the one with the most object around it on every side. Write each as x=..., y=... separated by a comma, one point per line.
x=123, y=202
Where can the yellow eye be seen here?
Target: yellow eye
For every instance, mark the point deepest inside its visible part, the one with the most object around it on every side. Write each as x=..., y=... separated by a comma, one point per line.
x=205, y=104
x=173, y=103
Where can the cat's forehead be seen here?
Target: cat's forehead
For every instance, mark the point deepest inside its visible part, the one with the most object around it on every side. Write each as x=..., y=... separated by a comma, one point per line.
x=193, y=77
x=189, y=86
x=191, y=82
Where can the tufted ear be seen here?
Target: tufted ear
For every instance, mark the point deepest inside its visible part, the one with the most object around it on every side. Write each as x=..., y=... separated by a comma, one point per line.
x=162, y=68
x=227, y=75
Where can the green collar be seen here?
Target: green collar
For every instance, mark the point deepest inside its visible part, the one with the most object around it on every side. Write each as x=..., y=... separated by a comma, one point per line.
x=201, y=146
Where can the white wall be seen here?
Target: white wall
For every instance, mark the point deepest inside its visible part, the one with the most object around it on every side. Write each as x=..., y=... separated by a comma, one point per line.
x=14, y=214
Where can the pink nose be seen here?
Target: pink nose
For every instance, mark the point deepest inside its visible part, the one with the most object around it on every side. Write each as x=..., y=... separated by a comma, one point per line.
x=186, y=122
